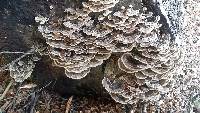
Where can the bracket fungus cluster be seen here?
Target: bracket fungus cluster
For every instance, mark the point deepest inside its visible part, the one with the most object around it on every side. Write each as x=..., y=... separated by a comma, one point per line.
x=22, y=69
x=142, y=74
x=82, y=37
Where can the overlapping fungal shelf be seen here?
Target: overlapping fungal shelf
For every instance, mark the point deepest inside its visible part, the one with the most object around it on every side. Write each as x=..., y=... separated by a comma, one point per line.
x=142, y=74
x=22, y=69
x=140, y=57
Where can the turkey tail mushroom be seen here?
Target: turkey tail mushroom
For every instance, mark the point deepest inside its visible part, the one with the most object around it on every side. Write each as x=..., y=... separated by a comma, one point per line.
x=139, y=56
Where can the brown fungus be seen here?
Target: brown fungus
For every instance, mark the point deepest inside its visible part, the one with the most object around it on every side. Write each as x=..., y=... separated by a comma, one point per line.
x=77, y=37
x=140, y=58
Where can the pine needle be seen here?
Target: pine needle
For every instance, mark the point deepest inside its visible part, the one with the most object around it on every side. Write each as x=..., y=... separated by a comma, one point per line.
x=6, y=90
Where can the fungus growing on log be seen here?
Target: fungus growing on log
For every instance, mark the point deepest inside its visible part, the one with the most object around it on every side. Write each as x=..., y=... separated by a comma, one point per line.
x=83, y=38
x=140, y=57
x=132, y=76
x=22, y=69
x=144, y=72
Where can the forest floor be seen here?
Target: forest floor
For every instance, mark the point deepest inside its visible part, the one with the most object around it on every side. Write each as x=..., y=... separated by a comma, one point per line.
x=29, y=97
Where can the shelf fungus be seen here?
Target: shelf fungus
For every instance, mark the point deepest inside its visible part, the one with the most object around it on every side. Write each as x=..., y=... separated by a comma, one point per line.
x=144, y=72
x=135, y=76
x=139, y=56
x=21, y=70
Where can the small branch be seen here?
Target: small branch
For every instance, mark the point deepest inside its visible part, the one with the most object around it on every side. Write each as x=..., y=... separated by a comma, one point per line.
x=44, y=87
x=68, y=105
x=6, y=90
x=13, y=52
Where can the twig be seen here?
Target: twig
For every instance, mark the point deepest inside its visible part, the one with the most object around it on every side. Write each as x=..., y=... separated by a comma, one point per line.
x=6, y=90
x=16, y=60
x=13, y=52
x=15, y=98
x=68, y=105
x=28, y=86
x=44, y=87
x=34, y=99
